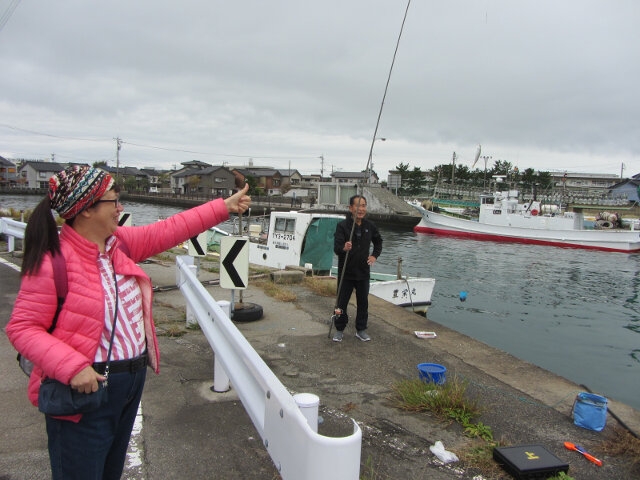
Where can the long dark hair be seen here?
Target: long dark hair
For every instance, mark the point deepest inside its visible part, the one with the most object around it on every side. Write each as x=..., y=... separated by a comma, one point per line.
x=40, y=237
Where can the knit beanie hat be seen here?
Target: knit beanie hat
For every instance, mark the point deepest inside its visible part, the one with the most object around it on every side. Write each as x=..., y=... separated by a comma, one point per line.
x=76, y=188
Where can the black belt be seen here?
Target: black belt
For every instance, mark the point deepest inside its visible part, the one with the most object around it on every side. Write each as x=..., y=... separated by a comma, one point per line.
x=121, y=366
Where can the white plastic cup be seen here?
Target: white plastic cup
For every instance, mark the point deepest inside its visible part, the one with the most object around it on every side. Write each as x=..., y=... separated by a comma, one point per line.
x=308, y=404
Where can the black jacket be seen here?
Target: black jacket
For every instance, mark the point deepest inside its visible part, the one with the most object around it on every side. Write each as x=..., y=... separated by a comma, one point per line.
x=363, y=236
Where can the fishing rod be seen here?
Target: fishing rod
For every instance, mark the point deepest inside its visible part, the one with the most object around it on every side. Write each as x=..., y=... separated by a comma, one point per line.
x=337, y=311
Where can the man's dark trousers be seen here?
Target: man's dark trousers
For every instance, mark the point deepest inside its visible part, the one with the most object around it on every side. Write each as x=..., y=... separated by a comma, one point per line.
x=362, y=299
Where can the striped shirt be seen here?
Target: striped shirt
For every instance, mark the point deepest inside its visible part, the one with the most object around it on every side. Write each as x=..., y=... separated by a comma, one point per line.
x=129, y=340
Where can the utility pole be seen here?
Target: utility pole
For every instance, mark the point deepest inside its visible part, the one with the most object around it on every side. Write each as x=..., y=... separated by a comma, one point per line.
x=621, y=170
x=321, y=167
x=453, y=169
x=53, y=159
x=484, y=180
x=118, y=147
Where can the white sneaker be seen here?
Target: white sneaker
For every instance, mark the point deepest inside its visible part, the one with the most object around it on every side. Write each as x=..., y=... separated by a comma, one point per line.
x=337, y=337
x=363, y=335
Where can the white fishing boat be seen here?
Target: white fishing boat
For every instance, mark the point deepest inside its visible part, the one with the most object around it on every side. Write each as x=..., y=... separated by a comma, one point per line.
x=503, y=218
x=306, y=240
x=412, y=293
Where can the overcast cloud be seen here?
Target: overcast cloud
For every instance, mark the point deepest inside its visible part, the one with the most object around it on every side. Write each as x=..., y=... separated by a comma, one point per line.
x=552, y=85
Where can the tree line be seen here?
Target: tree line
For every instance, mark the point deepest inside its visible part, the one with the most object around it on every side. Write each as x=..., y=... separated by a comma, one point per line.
x=415, y=181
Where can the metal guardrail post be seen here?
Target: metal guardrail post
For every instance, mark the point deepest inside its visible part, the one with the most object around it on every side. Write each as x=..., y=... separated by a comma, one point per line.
x=296, y=450
x=12, y=229
x=221, y=382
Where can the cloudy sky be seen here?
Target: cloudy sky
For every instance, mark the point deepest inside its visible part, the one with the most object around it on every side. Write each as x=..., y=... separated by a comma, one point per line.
x=548, y=84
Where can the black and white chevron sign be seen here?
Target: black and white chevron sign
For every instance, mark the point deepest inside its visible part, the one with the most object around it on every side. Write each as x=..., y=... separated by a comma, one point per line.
x=234, y=262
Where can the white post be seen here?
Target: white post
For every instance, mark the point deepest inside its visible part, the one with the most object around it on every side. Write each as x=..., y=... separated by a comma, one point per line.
x=220, y=377
x=308, y=405
x=11, y=243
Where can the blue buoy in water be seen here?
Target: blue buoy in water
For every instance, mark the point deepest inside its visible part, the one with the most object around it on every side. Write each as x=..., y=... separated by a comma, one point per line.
x=463, y=296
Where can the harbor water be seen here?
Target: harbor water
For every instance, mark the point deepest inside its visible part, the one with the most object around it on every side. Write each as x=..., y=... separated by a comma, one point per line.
x=572, y=312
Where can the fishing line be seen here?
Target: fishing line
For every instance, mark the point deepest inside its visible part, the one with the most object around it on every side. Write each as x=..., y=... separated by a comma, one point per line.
x=373, y=139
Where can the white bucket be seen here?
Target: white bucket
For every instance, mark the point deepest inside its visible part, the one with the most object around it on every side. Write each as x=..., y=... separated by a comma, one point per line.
x=308, y=404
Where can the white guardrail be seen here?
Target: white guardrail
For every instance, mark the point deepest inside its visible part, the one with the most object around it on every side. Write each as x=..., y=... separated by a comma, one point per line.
x=297, y=451
x=12, y=229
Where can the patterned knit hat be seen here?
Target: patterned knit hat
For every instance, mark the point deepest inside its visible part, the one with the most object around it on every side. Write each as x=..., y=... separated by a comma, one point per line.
x=76, y=188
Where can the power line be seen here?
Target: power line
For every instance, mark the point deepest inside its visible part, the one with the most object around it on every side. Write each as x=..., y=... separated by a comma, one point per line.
x=155, y=147
x=8, y=12
x=51, y=135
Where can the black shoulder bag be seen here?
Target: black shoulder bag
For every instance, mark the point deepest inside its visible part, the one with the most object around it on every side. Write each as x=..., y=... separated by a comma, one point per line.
x=59, y=399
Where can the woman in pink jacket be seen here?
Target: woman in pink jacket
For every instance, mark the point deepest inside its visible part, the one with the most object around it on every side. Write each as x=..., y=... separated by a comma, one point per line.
x=104, y=283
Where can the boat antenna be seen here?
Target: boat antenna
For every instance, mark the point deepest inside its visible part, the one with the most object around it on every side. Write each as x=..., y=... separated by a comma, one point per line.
x=361, y=184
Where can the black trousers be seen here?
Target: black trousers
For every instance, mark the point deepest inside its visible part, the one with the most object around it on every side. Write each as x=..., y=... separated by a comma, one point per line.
x=362, y=301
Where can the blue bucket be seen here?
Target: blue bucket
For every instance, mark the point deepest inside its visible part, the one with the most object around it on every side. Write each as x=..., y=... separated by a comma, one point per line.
x=590, y=411
x=432, y=372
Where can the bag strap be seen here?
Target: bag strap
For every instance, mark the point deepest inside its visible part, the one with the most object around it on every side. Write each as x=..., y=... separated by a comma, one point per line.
x=113, y=327
x=62, y=286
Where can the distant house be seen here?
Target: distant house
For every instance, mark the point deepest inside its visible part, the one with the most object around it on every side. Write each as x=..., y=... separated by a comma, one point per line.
x=215, y=180
x=180, y=181
x=311, y=180
x=8, y=172
x=268, y=179
x=36, y=173
x=188, y=169
x=218, y=181
x=354, y=177
x=583, y=181
x=290, y=177
x=629, y=188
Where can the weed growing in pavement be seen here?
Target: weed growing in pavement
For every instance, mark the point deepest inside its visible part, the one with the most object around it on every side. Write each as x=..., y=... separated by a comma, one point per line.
x=561, y=476
x=278, y=292
x=480, y=456
x=369, y=470
x=325, y=287
x=173, y=331
x=449, y=402
x=164, y=257
x=623, y=444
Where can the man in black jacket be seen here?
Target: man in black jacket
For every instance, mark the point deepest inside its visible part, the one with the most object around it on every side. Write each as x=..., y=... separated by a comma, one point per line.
x=359, y=261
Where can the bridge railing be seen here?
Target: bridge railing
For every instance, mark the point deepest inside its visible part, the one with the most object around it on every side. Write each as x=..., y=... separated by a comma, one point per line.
x=12, y=229
x=297, y=451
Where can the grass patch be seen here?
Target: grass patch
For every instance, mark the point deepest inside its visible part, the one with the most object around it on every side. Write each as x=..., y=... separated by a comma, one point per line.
x=623, y=444
x=561, y=476
x=450, y=402
x=369, y=471
x=259, y=270
x=174, y=330
x=164, y=257
x=480, y=456
x=278, y=292
x=447, y=401
x=325, y=287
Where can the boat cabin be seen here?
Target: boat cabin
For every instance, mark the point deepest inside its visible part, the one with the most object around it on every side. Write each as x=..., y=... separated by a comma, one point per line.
x=299, y=239
x=503, y=208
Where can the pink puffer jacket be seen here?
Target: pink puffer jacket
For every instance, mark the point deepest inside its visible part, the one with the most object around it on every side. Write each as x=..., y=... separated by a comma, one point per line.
x=73, y=344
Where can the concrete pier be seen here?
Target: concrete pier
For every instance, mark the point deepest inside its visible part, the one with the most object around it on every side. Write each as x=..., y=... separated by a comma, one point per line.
x=188, y=431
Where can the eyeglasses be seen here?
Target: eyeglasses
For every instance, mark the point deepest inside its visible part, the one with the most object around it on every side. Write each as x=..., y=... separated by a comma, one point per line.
x=116, y=202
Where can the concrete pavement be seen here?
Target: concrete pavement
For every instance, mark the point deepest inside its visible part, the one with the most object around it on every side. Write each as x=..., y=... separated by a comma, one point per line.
x=187, y=431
